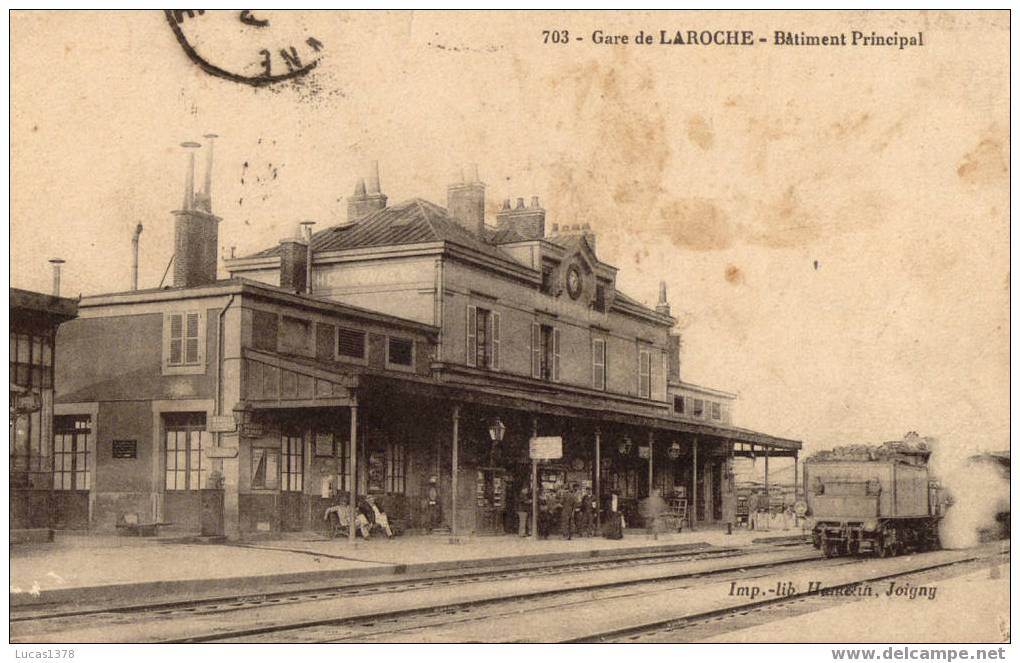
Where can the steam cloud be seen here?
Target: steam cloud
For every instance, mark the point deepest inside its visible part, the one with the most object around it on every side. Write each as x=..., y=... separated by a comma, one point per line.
x=978, y=490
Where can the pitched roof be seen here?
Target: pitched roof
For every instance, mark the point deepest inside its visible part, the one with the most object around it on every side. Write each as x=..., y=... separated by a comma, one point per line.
x=413, y=221
x=417, y=221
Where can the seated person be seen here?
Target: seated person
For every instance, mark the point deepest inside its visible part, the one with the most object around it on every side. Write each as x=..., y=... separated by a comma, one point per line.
x=370, y=516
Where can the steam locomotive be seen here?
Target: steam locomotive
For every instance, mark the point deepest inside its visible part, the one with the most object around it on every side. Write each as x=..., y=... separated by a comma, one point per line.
x=886, y=504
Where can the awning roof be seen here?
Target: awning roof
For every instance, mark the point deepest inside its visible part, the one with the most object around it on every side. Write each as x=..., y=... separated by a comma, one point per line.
x=553, y=402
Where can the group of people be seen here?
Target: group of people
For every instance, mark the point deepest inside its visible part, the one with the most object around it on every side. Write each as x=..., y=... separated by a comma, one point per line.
x=571, y=508
x=370, y=517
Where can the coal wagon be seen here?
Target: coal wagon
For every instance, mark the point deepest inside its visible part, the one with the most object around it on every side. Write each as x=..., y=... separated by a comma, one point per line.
x=884, y=506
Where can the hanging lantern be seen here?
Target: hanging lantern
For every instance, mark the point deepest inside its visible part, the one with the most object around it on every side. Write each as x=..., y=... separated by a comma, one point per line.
x=496, y=430
x=674, y=451
x=625, y=446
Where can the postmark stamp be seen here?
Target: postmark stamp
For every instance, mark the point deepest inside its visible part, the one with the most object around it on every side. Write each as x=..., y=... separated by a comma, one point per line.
x=255, y=47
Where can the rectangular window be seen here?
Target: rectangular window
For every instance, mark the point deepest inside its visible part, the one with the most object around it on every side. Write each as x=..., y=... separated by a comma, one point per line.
x=71, y=436
x=545, y=352
x=293, y=463
x=184, y=346
x=396, y=468
x=483, y=338
x=678, y=404
x=645, y=374
x=265, y=468
x=716, y=411
x=295, y=335
x=699, y=408
x=31, y=361
x=184, y=439
x=598, y=363
x=350, y=343
x=400, y=352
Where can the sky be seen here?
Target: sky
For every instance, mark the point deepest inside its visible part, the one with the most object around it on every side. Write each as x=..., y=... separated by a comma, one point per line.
x=832, y=223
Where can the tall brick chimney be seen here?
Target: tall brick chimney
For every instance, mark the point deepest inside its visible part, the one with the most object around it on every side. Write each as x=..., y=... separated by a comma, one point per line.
x=294, y=264
x=196, y=229
x=367, y=198
x=465, y=201
x=529, y=222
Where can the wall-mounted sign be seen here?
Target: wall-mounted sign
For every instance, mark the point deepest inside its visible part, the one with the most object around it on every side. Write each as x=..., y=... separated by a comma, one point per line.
x=644, y=452
x=125, y=448
x=221, y=452
x=222, y=424
x=546, y=448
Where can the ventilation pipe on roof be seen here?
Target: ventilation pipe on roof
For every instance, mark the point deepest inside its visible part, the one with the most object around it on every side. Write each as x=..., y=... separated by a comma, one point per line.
x=307, y=227
x=134, y=256
x=56, y=262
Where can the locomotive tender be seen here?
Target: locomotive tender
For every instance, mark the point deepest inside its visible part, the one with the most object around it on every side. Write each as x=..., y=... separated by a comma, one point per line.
x=886, y=506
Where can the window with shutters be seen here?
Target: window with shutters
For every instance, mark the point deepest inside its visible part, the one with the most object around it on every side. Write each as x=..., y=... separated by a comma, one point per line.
x=644, y=374
x=545, y=352
x=483, y=338
x=184, y=342
x=699, y=408
x=716, y=411
x=350, y=343
x=678, y=405
x=598, y=363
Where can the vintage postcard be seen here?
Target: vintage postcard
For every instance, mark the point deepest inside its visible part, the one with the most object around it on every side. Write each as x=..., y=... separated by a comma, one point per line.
x=510, y=327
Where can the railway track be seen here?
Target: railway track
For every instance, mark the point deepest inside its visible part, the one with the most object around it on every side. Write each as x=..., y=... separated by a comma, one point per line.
x=507, y=620
x=620, y=600
x=699, y=626
x=403, y=584
x=495, y=586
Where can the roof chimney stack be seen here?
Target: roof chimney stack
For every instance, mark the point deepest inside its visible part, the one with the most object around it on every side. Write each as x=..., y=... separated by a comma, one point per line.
x=465, y=202
x=196, y=231
x=528, y=222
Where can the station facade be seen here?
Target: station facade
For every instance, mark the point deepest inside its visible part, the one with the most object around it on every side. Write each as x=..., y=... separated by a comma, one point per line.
x=410, y=343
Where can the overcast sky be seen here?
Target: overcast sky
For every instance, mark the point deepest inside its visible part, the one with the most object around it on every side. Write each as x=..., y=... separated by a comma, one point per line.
x=832, y=223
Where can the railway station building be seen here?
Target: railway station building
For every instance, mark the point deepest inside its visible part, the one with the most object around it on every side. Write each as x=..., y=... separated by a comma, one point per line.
x=40, y=460
x=408, y=344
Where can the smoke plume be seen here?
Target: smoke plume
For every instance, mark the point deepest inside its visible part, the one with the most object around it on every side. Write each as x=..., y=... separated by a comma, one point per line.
x=977, y=488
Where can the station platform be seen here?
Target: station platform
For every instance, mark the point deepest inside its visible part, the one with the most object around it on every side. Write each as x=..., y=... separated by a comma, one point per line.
x=77, y=568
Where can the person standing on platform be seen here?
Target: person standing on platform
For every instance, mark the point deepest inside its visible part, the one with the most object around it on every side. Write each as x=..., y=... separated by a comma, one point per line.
x=524, y=512
x=567, y=505
x=431, y=505
x=584, y=514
